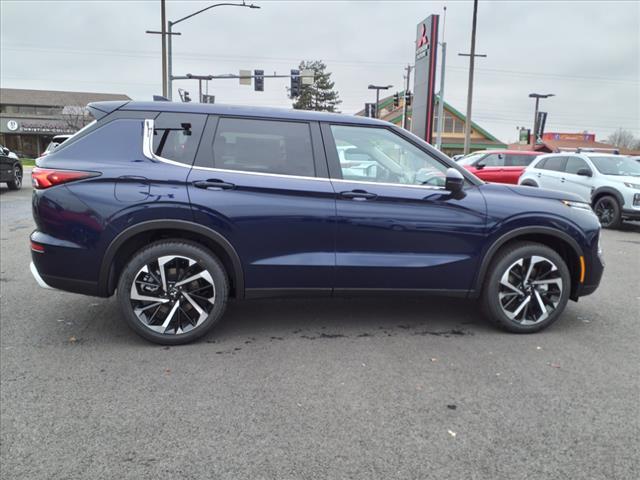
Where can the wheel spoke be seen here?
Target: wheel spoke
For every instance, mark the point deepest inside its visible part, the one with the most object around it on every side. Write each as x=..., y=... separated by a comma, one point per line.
x=203, y=274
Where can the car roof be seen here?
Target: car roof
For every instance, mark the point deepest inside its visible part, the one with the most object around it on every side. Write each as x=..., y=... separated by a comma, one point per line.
x=248, y=111
x=586, y=153
x=510, y=152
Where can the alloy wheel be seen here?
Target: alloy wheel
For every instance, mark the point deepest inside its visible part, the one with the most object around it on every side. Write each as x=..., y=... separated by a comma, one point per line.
x=530, y=290
x=605, y=210
x=17, y=176
x=172, y=295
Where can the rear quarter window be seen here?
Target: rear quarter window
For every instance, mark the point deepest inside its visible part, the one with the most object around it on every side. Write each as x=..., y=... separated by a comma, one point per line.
x=176, y=136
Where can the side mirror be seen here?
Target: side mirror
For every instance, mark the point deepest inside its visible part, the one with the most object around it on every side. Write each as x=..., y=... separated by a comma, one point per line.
x=454, y=181
x=5, y=150
x=584, y=172
x=479, y=165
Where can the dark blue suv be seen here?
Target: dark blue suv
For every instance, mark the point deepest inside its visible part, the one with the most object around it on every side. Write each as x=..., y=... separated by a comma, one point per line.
x=178, y=207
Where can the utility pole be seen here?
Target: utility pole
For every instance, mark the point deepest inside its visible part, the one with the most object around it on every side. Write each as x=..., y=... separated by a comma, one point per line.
x=163, y=29
x=405, y=110
x=472, y=56
x=441, y=98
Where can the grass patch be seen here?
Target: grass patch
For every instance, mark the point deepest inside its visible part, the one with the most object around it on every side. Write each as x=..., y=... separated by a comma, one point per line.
x=28, y=162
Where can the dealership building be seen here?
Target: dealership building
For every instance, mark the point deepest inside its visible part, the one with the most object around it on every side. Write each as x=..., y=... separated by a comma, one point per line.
x=30, y=118
x=453, y=126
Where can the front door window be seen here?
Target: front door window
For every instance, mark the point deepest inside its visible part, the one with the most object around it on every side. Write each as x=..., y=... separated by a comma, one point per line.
x=379, y=155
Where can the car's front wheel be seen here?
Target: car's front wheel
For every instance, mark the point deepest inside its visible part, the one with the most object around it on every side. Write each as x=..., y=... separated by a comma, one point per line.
x=16, y=183
x=527, y=288
x=608, y=211
x=172, y=292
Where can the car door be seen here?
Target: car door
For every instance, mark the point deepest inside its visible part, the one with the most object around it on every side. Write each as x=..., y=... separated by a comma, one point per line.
x=514, y=165
x=551, y=172
x=581, y=185
x=263, y=185
x=397, y=228
x=490, y=168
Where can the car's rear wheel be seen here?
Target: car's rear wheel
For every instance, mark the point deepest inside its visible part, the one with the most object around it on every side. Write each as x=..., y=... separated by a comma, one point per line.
x=16, y=183
x=608, y=211
x=173, y=292
x=527, y=288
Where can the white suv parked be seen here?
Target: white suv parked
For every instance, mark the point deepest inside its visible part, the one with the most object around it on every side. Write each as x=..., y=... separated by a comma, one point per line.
x=610, y=183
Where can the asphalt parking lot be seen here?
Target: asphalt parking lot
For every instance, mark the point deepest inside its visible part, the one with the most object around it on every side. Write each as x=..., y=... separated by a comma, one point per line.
x=299, y=389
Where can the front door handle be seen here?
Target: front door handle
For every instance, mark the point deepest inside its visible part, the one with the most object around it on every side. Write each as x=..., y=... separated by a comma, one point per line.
x=358, y=195
x=213, y=183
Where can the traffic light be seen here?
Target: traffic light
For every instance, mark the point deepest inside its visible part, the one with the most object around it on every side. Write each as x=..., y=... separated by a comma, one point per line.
x=184, y=95
x=258, y=80
x=407, y=98
x=396, y=100
x=295, y=83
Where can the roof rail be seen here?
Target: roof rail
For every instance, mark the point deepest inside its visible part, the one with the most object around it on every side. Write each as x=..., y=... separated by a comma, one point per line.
x=615, y=151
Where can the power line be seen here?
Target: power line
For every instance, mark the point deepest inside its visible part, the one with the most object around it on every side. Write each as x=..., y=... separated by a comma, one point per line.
x=345, y=62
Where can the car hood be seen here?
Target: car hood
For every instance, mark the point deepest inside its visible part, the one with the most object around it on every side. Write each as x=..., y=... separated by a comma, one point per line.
x=623, y=179
x=533, y=192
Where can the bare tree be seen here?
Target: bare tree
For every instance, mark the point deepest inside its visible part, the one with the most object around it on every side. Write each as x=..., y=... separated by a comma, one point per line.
x=623, y=139
x=75, y=117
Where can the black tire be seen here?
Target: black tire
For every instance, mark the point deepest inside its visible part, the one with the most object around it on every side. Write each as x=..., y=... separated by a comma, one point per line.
x=608, y=211
x=178, y=330
x=16, y=183
x=495, y=307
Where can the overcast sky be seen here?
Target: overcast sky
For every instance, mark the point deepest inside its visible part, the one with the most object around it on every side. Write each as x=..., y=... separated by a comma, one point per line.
x=585, y=52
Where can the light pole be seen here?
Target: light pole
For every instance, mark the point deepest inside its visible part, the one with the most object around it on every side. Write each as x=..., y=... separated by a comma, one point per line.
x=537, y=96
x=472, y=57
x=377, y=88
x=170, y=34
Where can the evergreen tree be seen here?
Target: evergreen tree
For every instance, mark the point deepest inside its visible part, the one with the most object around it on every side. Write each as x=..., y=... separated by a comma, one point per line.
x=320, y=95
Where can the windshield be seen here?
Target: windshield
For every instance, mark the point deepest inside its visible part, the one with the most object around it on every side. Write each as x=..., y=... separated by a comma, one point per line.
x=616, y=165
x=470, y=159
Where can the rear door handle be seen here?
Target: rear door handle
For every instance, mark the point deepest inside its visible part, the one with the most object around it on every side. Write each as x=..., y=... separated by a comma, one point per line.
x=213, y=183
x=358, y=195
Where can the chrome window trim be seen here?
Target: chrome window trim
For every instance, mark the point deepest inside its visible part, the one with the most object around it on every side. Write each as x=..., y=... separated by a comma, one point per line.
x=147, y=150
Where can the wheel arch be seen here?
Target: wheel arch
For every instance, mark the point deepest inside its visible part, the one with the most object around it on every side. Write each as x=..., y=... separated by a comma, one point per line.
x=561, y=242
x=602, y=191
x=123, y=246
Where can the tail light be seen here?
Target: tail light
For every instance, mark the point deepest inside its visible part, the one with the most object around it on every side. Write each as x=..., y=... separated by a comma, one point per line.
x=45, y=177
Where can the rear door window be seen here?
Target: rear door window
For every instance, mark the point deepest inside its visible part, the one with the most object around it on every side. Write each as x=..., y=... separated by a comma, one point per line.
x=264, y=146
x=515, y=160
x=493, y=160
x=555, y=164
x=176, y=136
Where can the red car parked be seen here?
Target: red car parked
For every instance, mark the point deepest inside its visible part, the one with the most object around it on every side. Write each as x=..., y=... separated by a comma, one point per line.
x=498, y=166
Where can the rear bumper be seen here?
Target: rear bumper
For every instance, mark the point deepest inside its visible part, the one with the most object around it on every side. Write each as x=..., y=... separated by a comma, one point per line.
x=62, y=257
x=37, y=276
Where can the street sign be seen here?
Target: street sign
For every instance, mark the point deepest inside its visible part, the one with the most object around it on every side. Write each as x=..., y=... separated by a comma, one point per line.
x=245, y=77
x=308, y=77
x=525, y=133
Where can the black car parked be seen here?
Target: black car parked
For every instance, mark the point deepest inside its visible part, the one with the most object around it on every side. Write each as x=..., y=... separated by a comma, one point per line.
x=10, y=170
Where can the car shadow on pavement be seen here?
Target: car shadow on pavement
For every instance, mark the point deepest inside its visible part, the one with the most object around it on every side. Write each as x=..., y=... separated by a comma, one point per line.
x=278, y=319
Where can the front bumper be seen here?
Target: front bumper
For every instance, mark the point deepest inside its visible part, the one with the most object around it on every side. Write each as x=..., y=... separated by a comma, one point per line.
x=630, y=214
